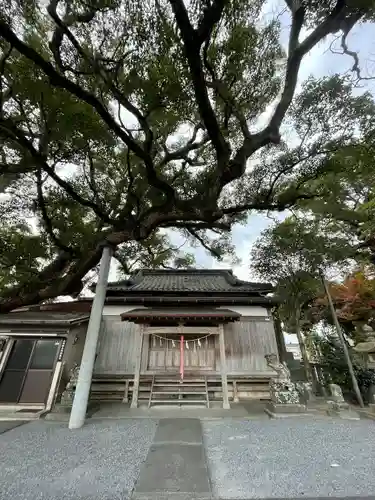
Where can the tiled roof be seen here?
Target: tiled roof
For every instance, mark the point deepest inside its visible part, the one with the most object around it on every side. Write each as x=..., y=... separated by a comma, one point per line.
x=191, y=280
x=41, y=318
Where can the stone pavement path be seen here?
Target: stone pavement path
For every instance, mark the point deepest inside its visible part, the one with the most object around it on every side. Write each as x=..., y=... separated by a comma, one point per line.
x=7, y=425
x=176, y=465
x=186, y=459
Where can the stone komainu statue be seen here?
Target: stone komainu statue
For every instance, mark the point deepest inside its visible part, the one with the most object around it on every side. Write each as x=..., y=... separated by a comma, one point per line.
x=68, y=394
x=282, y=389
x=281, y=369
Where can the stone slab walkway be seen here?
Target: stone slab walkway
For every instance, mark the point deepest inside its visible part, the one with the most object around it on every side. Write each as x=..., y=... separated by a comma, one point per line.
x=176, y=463
x=189, y=459
x=7, y=425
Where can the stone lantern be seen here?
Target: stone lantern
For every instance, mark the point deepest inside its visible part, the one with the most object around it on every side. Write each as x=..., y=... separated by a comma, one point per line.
x=367, y=347
x=367, y=350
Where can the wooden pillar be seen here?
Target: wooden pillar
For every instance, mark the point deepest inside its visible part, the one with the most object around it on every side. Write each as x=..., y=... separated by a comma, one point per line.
x=235, y=392
x=223, y=368
x=137, y=372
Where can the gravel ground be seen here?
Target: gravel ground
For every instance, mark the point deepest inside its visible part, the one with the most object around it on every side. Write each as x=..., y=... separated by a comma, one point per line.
x=101, y=461
x=290, y=458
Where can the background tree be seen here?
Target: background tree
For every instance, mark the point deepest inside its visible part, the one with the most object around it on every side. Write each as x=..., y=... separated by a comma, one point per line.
x=130, y=117
x=291, y=255
x=354, y=301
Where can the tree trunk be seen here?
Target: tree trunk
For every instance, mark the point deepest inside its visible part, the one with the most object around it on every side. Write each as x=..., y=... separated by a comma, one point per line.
x=50, y=288
x=302, y=346
x=53, y=282
x=279, y=336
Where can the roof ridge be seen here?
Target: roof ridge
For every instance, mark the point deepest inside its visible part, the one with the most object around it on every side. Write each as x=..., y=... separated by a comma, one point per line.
x=182, y=280
x=183, y=271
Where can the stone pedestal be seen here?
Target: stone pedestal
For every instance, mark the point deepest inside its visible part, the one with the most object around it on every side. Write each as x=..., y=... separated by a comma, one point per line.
x=285, y=410
x=285, y=400
x=341, y=410
x=338, y=407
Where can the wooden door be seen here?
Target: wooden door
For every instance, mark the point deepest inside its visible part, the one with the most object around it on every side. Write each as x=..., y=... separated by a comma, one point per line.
x=164, y=353
x=28, y=373
x=200, y=358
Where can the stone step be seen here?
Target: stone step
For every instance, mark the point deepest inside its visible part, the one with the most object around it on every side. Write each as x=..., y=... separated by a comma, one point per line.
x=178, y=393
x=177, y=379
x=170, y=384
x=178, y=401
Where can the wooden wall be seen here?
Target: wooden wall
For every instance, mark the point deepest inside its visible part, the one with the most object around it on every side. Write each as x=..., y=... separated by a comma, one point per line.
x=246, y=343
x=117, y=345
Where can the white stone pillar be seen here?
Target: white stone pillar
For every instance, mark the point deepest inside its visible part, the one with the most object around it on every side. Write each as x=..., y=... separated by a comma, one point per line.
x=81, y=396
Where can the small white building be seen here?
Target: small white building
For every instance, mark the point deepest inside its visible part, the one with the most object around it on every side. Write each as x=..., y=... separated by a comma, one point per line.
x=294, y=348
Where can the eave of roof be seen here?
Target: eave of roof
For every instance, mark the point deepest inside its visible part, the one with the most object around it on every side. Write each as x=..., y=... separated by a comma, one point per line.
x=42, y=318
x=207, y=314
x=192, y=300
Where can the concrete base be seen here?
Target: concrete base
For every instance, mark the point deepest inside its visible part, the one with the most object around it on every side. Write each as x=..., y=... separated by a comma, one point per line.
x=275, y=410
x=239, y=410
x=20, y=416
x=341, y=410
x=61, y=413
x=344, y=414
x=365, y=413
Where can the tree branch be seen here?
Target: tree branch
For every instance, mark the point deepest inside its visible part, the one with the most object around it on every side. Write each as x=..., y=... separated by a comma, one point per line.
x=265, y=205
x=61, y=81
x=212, y=15
x=181, y=154
x=197, y=225
x=333, y=22
x=16, y=134
x=192, y=50
x=46, y=220
x=355, y=68
x=291, y=76
x=58, y=34
x=296, y=52
x=151, y=173
x=212, y=251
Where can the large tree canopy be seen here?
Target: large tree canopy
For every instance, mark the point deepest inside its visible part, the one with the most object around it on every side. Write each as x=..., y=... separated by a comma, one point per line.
x=119, y=118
